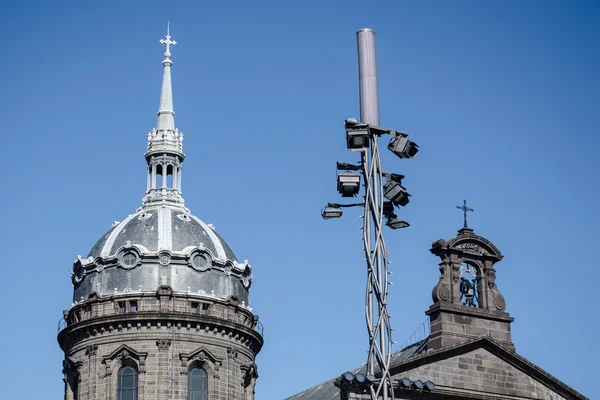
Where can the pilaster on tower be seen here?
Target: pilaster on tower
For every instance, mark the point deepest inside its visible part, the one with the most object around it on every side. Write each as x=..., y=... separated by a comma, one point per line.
x=165, y=145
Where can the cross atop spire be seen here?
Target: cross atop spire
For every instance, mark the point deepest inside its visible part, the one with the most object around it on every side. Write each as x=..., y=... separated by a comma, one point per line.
x=168, y=42
x=166, y=114
x=465, y=210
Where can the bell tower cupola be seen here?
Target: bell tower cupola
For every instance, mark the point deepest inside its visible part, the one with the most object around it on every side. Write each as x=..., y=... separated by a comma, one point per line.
x=467, y=303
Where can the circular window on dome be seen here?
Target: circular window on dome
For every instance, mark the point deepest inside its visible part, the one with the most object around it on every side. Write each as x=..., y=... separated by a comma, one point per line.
x=200, y=262
x=129, y=259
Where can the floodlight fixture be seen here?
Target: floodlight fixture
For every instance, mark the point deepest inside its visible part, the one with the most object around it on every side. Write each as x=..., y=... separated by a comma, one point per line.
x=428, y=386
x=331, y=212
x=342, y=166
x=401, y=146
x=357, y=135
x=405, y=383
x=396, y=223
x=371, y=379
x=348, y=184
x=418, y=384
x=388, y=209
x=360, y=378
x=347, y=376
x=357, y=139
x=395, y=192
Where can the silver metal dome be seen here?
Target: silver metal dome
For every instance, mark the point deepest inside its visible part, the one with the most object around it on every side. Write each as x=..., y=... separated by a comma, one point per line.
x=161, y=228
x=157, y=246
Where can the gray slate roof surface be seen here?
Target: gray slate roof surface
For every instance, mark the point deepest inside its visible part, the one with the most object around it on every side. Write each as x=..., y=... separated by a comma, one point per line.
x=143, y=228
x=328, y=391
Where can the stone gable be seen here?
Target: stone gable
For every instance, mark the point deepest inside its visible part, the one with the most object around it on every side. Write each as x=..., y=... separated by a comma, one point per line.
x=480, y=371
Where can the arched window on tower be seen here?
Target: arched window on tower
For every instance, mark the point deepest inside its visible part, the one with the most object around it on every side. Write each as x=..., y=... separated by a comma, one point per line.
x=159, y=176
x=170, y=176
x=127, y=384
x=197, y=384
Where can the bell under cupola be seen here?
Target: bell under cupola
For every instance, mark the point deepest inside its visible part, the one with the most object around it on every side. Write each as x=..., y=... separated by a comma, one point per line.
x=164, y=155
x=467, y=303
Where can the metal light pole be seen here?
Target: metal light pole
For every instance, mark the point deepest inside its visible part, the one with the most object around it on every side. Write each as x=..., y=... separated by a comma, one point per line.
x=379, y=186
x=378, y=320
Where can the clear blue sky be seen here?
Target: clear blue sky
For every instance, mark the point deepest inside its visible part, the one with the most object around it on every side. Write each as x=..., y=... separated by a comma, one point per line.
x=502, y=97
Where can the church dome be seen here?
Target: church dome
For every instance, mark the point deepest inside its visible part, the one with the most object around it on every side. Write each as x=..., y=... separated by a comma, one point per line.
x=158, y=246
x=159, y=228
x=162, y=244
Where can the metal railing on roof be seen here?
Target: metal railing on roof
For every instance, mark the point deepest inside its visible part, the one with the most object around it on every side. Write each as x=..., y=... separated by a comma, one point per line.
x=259, y=328
x=62, y=324
x=421, y=333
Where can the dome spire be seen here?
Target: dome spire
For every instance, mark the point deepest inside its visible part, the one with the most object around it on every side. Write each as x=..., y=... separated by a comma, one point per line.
x=166, y=115
x=165, y=145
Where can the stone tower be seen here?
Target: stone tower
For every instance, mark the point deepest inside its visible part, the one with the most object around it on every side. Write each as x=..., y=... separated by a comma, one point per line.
x=467, y=304
x=160, y=307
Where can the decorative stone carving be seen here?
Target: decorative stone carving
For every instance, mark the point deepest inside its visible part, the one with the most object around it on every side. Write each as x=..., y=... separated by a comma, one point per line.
x=249, y=372
x=164, y=258
x=163, y=344
x=472, y=248
x=70, y=366
x=231, y=352
x=491, y=277
x=164, y=291
x=443, y=293
x=91, y=350
x=71, y=375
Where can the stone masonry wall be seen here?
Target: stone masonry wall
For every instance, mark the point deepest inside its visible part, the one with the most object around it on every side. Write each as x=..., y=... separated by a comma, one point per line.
x=163, y=345
x=452, y=324
x=482, y=372
x=161, y=366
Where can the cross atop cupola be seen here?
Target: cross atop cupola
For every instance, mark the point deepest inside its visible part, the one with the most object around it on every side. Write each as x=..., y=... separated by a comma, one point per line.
x=465, y=210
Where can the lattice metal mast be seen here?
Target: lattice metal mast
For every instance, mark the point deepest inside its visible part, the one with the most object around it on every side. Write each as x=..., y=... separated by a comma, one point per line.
x=363, y=137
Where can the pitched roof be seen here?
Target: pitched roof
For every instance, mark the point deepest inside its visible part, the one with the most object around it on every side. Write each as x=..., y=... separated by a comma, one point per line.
x=496, y=348
x=328, y=391
x=417, y=354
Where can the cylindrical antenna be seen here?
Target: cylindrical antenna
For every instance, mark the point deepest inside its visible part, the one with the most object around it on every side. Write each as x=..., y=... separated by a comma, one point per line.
x=367, y=74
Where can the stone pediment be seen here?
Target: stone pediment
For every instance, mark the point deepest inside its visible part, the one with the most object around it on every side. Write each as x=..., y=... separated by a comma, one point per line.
x=201, y=354
x=482, y=369
x=467, y=243
x=203, y=357
x=126, y=355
